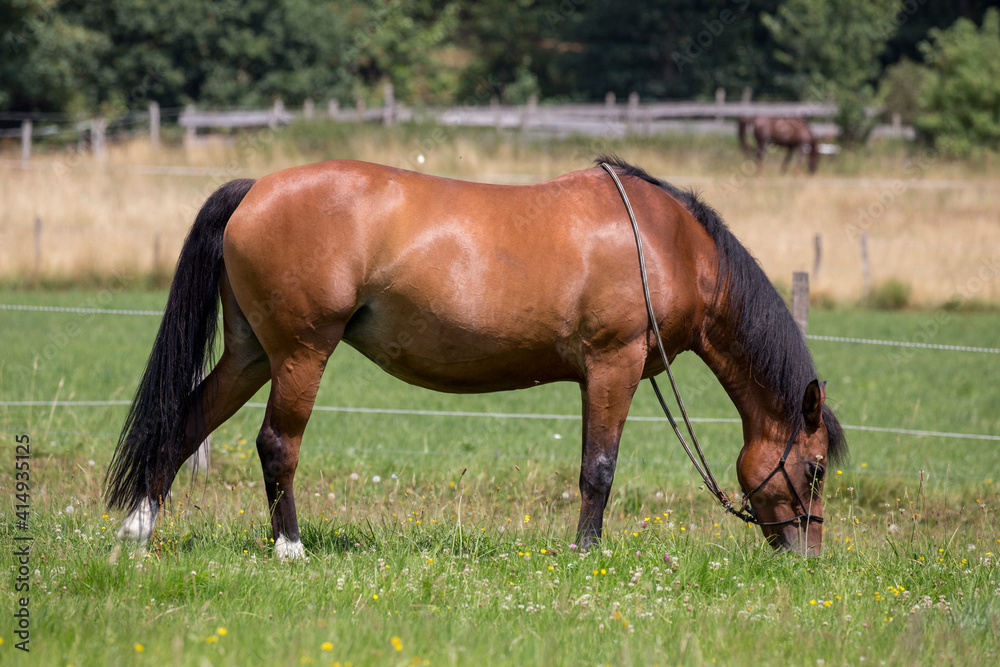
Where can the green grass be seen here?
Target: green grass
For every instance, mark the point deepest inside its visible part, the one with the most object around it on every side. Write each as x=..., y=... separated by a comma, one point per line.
x=451, y=538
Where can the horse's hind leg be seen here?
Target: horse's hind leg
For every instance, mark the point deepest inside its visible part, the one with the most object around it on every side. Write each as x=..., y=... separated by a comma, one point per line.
x=294, y=383
x=762, y=145
x=788, y=158
x=242, y=369
x=606, y=399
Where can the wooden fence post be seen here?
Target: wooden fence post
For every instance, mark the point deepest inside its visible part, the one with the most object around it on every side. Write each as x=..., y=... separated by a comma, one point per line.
x=38, y=245
x=192, y=131
x=333, y=108
x=495, y=108
x=632, y=111
x=818, y=243
x=26, y=128
x=156, y=254
x=276, y=111
x=866, y=269
x=389, y=105
x=98, y=138
x=800, y=300
x=720, y=99
x=308, y=109
x=530, y=109
x=154, y=124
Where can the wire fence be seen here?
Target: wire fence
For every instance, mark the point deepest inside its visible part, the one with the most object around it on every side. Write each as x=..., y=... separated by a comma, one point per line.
x=508, y=415
x=501, y=415
x=834, y=339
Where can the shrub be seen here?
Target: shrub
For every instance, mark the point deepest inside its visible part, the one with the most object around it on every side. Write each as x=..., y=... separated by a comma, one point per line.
x=960, y=100
x=900, y=89
x=890, y=295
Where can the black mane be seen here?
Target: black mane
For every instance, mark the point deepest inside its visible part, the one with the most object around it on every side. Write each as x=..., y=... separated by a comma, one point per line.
x=765, y=329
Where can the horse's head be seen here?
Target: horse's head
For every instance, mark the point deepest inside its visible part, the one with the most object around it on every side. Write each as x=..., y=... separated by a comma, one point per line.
x=782, y=474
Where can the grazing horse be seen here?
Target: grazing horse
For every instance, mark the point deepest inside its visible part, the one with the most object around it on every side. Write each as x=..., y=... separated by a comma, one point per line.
x=792, y=133
x=468, y=287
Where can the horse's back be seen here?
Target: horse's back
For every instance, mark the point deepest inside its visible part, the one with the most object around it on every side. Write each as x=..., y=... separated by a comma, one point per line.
x=445, y=283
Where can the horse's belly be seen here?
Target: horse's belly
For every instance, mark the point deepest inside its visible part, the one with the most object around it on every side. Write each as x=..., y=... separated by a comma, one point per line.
x=433, y=350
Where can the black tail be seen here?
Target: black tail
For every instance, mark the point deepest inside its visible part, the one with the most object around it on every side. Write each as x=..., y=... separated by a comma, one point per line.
x=154, y=427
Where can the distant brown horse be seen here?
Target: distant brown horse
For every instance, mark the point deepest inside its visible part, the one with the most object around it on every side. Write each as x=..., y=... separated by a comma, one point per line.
x=467, y=287
x=792, y=133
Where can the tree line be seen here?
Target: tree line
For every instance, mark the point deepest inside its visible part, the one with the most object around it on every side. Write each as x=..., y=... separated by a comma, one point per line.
x=78, y=56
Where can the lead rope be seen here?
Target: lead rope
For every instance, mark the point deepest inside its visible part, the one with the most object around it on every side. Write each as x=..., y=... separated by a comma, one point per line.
x=702, y=468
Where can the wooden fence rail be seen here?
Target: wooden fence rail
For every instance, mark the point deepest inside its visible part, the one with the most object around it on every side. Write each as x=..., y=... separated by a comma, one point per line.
x=607, y=119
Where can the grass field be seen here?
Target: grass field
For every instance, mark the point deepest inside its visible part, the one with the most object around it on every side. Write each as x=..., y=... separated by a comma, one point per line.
x=448, y=540
x=930, y=223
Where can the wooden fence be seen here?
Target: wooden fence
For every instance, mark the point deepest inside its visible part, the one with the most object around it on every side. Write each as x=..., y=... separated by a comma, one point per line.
x=609, y=119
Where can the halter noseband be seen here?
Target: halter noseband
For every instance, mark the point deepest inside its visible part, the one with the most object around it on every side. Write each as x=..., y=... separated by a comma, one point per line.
x=746, y=511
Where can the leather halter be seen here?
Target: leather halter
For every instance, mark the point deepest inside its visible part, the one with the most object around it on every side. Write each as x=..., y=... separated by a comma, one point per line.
x=746, y=511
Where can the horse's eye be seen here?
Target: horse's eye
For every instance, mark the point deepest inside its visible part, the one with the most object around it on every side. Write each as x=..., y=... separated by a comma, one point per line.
x=814, y=474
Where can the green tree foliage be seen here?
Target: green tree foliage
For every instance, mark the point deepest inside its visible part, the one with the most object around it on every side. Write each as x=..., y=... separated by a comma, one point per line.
x=116, y=55
x=45, y=58
x=511, y=48
x=403, y=42
x=918, y=17
x=960, y=99
x=900, y=89
x=830, y=50
x=672, y=48
x=113, y=56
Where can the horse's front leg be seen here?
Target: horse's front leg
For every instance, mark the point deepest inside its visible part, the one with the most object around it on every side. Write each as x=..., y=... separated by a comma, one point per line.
x=606, y=400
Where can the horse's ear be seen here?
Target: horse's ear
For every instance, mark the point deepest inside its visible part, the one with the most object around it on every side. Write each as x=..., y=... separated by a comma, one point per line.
x=812, y=403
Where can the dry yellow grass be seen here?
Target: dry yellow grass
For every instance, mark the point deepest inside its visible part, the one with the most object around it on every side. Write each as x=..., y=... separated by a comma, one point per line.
x=934, y=225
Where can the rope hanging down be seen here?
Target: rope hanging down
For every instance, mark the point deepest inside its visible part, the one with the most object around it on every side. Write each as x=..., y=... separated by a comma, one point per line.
x=700, y=464
x=746, y=512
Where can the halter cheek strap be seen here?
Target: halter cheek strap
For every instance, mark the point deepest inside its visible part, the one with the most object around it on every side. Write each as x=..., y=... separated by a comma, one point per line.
x=746, y=511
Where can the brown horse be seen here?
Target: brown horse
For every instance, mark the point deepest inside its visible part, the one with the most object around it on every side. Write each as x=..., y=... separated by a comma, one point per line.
x=467, y=287
x=792, y=133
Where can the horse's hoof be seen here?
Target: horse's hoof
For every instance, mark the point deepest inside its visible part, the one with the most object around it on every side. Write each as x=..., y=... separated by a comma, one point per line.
x=139, y=524
x=288, y=550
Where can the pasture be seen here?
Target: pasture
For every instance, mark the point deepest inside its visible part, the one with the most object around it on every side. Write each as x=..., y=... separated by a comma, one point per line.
x=438, y=534
x=930, y=223
x=447, y=539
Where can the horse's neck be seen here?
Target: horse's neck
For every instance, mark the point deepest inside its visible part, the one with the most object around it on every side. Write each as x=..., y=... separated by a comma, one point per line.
x=758, y=407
